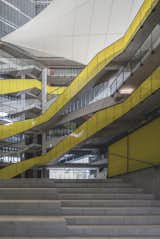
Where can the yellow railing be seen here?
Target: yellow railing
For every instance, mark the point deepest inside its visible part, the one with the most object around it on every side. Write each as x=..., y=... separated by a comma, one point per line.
x=93, y=125
x=17, y=85
x=136, y=151
x=95, y=66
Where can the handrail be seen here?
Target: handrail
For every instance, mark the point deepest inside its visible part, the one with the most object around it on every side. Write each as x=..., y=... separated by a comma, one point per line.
x=90, y=127
x=94, y=67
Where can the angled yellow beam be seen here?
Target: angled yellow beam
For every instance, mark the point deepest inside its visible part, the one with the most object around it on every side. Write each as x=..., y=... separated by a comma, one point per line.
x=94, y=67
x=93, y=125
x=8, y=86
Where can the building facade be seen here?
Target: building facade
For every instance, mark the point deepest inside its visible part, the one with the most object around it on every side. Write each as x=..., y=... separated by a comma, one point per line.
x=15, y=13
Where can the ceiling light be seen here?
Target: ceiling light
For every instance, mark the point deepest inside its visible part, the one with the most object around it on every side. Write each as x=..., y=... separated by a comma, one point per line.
x=127, y=90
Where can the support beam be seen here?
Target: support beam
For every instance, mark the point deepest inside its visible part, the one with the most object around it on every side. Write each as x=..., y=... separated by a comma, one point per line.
x=44, y=144
x=44, y=89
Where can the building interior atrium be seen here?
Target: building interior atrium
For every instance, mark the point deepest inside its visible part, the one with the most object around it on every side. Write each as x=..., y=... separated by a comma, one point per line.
x=79, y=119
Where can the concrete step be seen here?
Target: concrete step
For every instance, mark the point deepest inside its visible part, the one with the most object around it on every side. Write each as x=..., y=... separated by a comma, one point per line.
x=117, y=230
x=75, y=237
x=107, y=203
x=99, y=190
x=118, y=179
x=93, y=185
x=28, y=193
x=113, y=220
x=52, y=184
x=45, y=181
x=111, y=211
x=53, y=207
x=31, y=207
x=53, y=193
x=79, y=196
x=56, y=226
x=18, y=226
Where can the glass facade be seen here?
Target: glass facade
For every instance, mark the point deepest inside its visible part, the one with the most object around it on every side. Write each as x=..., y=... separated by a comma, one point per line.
x=15, y=13
x=41, y=4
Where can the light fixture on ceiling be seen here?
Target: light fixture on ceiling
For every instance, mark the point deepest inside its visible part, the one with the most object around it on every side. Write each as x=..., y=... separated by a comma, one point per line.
x=126, y=90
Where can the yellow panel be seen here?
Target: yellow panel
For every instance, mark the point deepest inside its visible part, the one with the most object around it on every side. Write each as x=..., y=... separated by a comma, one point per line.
x=142, y=149
x=88, y=74
x=115, y=161
x=94, y=124
x=16, y=85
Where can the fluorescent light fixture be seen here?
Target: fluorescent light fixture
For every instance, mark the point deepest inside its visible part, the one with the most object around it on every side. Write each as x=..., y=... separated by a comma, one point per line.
x=3, y=114
x=127, y=90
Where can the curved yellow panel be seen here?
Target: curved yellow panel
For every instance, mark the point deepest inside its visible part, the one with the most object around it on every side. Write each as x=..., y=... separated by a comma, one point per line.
x=8, y=86
x=93, y=125
x=94, y=66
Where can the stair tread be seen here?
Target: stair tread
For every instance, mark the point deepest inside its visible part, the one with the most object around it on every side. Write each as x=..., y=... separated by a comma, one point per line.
x=87, y=237
x=114, y=226
x=111, y=216
x=75, y=237
x=28, y=201
x=115, y=193
x=118, y=207
x=30, y=218
x=114, y=219
x=71, y=188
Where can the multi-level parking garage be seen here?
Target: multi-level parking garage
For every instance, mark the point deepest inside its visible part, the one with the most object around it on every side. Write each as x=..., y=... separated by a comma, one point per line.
x=79, y=101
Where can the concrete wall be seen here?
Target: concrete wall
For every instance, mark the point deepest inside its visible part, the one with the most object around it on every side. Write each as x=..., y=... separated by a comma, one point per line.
x=149, y=179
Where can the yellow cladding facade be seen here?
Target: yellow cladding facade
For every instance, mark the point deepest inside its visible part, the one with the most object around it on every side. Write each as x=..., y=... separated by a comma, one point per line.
x=94, y=124
x=17, y=85
x=136, y=151
x=95, y=66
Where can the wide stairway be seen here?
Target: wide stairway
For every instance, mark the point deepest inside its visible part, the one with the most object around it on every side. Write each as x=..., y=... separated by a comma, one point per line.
x=32, y=208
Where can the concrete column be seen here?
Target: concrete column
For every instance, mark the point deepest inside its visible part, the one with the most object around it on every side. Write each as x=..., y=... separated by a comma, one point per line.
x=44, y=139
x=44, y=89
x=23, y=96
x=44, y=102
x=35, y=172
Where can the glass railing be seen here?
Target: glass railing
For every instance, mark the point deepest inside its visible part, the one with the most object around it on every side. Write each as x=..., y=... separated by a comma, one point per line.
x=95, y=66
x=12, y=106
x=61, y=131
x=109, y=88
x=64, y=72
x=92, y=126
x=10, y=64
x=11, y=148
x=149, y=44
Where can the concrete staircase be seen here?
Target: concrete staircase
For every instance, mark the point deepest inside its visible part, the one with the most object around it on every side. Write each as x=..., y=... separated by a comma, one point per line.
x=32, y=208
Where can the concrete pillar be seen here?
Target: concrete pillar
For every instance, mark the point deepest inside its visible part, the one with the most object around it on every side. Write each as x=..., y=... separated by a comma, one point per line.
x=44, y=89
x=44, y=139
x=44, y=102
x=35, y=173
x=23, y=97
x=23, y=100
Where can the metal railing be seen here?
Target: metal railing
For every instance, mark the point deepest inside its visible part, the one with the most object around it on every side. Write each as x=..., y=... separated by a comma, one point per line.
x=109, y=88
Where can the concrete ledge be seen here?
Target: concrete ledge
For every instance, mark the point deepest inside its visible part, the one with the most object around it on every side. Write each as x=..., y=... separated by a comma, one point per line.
x=148, y=179
x=33, y=226
x=19, y=207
